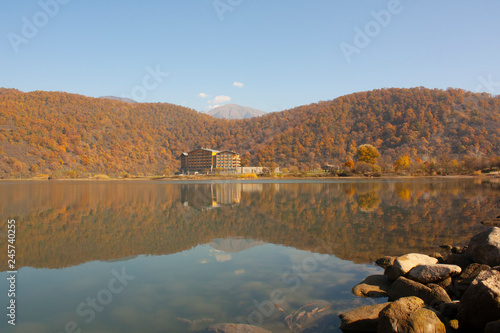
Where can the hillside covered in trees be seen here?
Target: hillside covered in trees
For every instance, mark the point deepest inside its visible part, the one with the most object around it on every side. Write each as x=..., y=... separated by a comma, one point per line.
x=55, y=132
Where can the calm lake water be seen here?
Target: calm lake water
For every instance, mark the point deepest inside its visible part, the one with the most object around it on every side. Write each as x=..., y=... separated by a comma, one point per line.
x=178, y=256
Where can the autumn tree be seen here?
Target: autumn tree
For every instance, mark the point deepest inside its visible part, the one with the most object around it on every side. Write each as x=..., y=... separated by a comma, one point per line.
x=402, y=163
x=349, y=164
x=368, y=154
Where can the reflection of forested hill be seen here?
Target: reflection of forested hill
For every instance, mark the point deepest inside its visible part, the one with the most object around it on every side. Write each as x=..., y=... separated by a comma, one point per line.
x=64, y=224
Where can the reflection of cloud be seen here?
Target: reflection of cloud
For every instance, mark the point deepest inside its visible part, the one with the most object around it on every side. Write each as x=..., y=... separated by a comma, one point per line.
x=239, y=271
x=223, y=257
x=204, y=261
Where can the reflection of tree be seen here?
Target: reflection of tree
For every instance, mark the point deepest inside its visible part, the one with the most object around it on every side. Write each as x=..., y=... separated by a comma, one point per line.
x=368, y=202
x=64, y=224
x=403, y=191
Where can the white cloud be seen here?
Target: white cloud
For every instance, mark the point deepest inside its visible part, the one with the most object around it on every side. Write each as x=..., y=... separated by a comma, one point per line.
x=238, y=84
x=202, y=95
x=210, y=107
x=239, y=271
x=220, y=99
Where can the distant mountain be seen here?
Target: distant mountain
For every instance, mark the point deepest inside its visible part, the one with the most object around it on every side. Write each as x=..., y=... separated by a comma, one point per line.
x=233, y=111
x=123, y=99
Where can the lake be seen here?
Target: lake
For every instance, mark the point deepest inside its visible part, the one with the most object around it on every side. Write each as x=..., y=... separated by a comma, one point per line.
x=159, y=256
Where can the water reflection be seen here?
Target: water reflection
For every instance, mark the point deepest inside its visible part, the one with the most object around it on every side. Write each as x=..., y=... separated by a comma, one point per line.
x=69, y=223
x=210, y=196
x=215, y=252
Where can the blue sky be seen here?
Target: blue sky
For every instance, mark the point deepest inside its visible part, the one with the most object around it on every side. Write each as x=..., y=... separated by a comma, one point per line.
x=269, y=55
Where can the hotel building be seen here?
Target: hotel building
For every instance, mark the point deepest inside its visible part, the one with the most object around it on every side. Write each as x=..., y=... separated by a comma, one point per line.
x=208, y=160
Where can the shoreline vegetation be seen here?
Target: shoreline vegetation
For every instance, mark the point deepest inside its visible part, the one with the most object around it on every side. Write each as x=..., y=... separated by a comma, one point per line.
x=491, y=177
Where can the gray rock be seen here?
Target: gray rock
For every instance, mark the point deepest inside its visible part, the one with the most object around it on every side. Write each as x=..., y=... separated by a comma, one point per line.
x=445, y=283
x=446, y=247
x=458, y=259
x=484, y=248
x=385, y=261
x=470, y=273
x=492, y=327
x=480, y=304
x=395, y=316
x=372, y=286
x=433, y=273
x=438, y=295
x=362, y=319
x=431, y=294
x=235, y=328
x=409, y=315
x=404, y=264
x=439, y=257
x=449, y=310
x=495, y=222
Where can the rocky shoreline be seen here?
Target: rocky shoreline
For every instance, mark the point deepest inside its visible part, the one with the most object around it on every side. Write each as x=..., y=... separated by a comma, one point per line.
x=457, y=292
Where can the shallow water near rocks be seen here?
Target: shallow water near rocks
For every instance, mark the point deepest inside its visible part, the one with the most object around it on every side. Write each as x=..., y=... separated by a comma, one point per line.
x=146, y=256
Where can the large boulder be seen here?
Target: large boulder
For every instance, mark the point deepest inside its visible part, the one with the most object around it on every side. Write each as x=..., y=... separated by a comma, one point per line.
x=409, y=315
x=470, y=273
x=484, y=248
x=431, y=294
x=362, y=319
x=385, y=261
x=433, y=273
x=480, y=304
x=235, y=328
x=425, y=321
x=404, y=264
x=395, y=316
x=372, y=286
x=492, y=327
x=459, y=259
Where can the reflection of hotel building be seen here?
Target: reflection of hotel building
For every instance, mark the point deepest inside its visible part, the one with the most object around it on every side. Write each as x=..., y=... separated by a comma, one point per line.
x=203, y=196
x=205, y=160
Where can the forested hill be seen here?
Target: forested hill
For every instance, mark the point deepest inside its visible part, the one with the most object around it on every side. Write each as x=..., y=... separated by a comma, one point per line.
x=54, y=132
